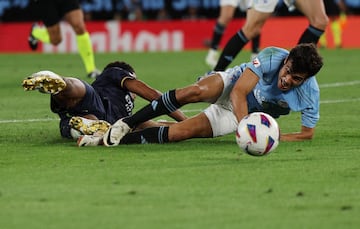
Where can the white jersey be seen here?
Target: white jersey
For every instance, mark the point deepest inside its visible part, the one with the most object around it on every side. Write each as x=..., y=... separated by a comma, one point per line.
x=266, y=96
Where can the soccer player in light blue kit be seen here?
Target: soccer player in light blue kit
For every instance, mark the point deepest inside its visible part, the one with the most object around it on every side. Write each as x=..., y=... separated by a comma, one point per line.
x=276, y=82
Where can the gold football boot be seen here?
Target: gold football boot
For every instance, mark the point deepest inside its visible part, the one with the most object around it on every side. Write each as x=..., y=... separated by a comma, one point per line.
x=88, y=126
x=45, y=81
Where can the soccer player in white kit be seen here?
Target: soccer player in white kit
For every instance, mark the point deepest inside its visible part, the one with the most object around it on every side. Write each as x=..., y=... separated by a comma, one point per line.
x=276, y=82
x=227, y=12
x=259, y=12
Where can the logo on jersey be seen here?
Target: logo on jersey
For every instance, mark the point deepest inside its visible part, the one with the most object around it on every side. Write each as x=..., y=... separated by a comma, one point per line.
x=256, y=62
x=132, y=75
x=143, y=140
x=129, y=104
x=154, y=104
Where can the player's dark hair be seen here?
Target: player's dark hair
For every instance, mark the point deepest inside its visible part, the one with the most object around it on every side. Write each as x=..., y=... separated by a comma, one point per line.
x=120, y=64
x=305, y=58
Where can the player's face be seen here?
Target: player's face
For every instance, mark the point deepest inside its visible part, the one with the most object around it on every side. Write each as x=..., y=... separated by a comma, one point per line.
x=288, y=79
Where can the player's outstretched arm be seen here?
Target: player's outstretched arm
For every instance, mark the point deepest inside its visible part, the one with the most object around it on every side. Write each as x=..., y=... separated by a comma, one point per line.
x=305, y=134
x=238, y=95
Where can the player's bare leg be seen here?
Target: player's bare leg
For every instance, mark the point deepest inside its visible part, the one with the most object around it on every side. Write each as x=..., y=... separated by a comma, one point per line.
x=226, y=14
x=207, y=89
x=195, y=127
x=67, y=91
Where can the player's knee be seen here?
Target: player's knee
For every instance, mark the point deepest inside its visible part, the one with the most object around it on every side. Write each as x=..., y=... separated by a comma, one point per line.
x=196, y=90
x=55, y=40
x=320, y=22
x=251, y=32
x=257, y=32
x=225, y=20
x=79, y=28
x=188, y=94
x=194, y=93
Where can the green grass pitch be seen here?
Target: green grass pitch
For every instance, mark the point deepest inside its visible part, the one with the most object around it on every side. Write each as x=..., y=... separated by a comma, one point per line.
x=48, y=182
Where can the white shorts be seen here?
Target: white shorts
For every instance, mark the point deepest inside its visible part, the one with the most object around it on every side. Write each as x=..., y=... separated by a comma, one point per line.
x=222, y=121
x=220, y=114
x=230, y=2
x=264, y=6
x=242, y=4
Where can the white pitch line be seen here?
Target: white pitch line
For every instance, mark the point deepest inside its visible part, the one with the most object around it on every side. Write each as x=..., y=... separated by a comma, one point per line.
x=340, y=101
x=29, y=120
x=185, y=111
x=340, y=84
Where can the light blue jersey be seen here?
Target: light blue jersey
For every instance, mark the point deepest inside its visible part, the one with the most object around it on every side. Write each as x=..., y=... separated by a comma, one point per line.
x=267, y=97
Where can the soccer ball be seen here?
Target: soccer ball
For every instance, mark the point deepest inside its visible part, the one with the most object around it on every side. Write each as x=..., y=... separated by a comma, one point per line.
x=258, y=134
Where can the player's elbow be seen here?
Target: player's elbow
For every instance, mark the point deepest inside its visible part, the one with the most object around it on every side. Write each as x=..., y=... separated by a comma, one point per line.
x=307, y=133
x=308, y=137
x=295, y=137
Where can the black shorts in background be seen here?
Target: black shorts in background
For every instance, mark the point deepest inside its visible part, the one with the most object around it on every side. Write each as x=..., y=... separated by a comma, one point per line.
x=331, y=8
x=51, y=12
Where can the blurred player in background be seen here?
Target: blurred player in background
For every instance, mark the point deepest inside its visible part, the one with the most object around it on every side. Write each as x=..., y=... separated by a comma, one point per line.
x=337, y=22
x=87, y=109
x=227, y=12
x=350, y=7
x=275, y=82
x=51, y=12
x=256, y=17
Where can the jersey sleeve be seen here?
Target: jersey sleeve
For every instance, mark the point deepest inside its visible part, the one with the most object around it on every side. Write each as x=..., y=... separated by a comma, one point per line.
x=306, y=99
x=117, y=75
x=267, y=63
x=310, y=113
